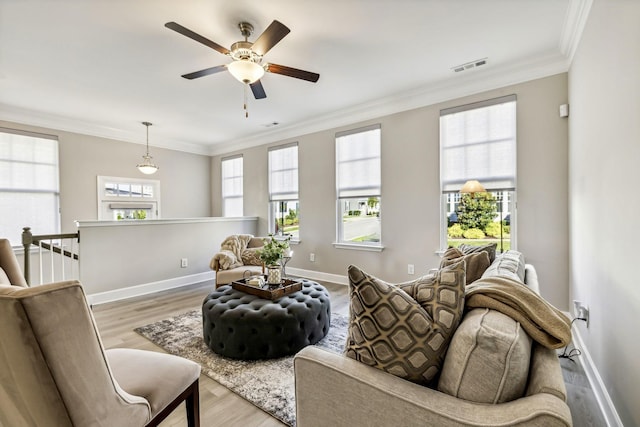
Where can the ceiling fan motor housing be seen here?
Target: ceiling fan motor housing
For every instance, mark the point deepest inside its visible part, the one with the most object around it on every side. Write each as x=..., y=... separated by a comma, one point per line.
x=242, y=51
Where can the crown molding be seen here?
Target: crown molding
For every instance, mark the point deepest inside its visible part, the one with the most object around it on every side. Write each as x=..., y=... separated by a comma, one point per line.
x=41, y=119
x=476, y=81
x=574, y=22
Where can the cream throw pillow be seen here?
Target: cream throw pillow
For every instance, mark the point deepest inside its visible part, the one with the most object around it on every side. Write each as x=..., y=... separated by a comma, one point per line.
x=489, y=248
x=488, y=359
x=476, y=262
x=404, y=329
x=250, y=256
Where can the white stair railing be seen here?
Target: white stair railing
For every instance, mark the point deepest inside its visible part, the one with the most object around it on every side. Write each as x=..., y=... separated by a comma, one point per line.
x=60, y=263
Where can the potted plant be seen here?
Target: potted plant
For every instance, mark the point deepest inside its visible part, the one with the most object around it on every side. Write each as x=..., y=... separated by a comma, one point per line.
x=271, y=254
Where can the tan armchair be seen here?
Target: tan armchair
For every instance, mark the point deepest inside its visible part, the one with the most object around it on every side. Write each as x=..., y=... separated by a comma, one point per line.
x=10, y=272
x=237, y=256
x=56, y=372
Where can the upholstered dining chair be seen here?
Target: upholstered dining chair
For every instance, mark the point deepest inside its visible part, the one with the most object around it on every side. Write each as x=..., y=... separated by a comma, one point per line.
x=54, y=370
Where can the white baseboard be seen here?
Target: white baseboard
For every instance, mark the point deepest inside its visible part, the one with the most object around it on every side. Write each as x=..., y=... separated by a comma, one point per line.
x=162, y=285
x=149, y=288
x=602, y=396
x=318, y=275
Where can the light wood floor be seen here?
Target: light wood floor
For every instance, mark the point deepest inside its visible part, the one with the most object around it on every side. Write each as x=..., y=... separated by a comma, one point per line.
x=221, y=407
x=218, y=405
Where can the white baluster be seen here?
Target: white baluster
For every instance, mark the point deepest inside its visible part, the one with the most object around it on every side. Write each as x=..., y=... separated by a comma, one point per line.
x=62, y=259
x=40, y=260
x=51, y=259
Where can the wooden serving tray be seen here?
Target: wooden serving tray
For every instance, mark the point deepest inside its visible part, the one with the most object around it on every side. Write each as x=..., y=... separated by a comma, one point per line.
x=272, y=292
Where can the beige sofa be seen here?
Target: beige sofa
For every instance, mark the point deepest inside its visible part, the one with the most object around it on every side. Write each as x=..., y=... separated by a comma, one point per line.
x=332, y=389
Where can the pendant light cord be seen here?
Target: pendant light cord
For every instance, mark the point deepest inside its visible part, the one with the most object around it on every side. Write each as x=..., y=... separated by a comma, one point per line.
x=147, y=124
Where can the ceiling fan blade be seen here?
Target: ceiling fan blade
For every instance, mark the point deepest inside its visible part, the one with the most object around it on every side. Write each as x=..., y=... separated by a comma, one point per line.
x=270, y=37
x=197, y=37
x=292, y=72
x=258, y=90
x=205, y=72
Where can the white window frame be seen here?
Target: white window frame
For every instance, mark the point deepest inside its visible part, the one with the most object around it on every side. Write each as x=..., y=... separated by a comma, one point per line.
x=283, y=191
x=347, y=189
x=12, y=167
x=503, y=182
x=110, y=205
x=239, y=159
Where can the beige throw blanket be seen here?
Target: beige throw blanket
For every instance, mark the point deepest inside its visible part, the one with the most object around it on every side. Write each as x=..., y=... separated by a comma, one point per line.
x=230, y=255
x=542, y=321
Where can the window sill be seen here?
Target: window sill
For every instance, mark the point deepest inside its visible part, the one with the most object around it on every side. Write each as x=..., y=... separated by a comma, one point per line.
x=291, y=242
x=358, y=247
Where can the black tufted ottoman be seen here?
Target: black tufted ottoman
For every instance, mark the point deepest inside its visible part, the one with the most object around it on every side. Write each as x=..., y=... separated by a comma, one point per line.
x=243, y=326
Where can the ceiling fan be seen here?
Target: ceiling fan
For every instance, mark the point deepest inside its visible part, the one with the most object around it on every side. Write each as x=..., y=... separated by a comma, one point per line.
x=247, y=56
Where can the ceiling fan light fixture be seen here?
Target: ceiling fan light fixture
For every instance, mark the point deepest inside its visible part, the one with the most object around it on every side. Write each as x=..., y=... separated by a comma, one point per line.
x=246, y=71
x=147, y=167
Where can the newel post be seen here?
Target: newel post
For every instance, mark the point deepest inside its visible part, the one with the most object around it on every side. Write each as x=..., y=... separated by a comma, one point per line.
x=27, y=240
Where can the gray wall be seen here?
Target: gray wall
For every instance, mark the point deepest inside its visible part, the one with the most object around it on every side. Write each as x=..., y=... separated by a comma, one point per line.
x=604, y=89
x=116, y=255
x=185, y=179
x=410, y=190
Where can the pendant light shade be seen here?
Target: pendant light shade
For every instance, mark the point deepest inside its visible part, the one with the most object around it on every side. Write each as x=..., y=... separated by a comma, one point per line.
x=146, y=167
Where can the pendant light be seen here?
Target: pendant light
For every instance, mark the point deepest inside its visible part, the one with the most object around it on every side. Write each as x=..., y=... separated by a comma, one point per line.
x=146, y=167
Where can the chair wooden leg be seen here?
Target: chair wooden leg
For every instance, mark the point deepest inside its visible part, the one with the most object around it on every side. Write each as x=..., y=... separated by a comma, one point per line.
x=192, y=403
x=191, y=397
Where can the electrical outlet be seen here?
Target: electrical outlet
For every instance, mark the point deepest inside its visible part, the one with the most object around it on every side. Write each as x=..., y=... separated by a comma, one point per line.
x=312, y=257
x=581, y=311
x=410, y=269
x=184, y=262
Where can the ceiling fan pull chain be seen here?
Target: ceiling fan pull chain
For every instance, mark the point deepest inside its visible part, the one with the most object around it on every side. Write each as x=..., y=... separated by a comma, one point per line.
x=246, y=101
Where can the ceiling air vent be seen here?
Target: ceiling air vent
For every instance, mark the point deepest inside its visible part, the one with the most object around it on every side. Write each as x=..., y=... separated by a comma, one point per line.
x=469, y=65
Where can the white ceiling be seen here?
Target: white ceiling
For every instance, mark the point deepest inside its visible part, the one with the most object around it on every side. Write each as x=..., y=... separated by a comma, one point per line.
x=100, y=67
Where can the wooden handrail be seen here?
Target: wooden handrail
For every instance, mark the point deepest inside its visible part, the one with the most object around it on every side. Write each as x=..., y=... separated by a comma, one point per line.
x=29, y=239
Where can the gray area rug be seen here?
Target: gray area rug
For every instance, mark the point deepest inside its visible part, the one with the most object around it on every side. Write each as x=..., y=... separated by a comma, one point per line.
x=268, y=384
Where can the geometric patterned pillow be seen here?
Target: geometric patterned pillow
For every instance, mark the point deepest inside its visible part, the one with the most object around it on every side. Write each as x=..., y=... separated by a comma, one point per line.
x=404, y=329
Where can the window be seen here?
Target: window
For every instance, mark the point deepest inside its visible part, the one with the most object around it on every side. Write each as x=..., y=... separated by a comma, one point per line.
x=128, y=198
x=478, y=142
x=29, y=184
x=284, y=207
x=232, y=204
x=358, y=186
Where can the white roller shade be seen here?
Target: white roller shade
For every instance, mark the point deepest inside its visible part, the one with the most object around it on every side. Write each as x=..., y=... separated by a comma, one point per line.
x=358, y=162
x=29, y=185
x=478, y=141
x=283, y=173
x=232, y=182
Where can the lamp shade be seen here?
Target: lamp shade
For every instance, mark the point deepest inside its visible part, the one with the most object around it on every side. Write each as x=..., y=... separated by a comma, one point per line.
x=472, y=186
x=245, y=71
